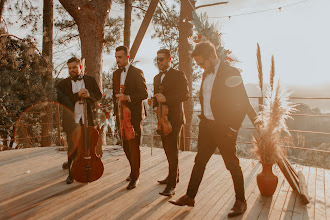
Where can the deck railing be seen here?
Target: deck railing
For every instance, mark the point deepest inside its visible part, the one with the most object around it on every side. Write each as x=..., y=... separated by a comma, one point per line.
x=151, y=123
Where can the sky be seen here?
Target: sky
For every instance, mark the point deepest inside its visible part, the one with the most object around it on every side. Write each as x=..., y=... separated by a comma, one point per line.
x=297, y=35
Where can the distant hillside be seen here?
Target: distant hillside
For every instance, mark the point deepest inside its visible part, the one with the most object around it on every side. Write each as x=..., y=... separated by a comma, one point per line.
x=317, y=91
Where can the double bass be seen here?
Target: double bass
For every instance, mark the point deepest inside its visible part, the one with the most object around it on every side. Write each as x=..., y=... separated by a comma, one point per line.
x=164, y=125
x=87, y=167
x=126, y=130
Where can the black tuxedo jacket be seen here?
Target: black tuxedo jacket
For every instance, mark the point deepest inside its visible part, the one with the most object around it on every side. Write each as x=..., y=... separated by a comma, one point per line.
x=66, y=97
x=176, y=91
x=135, y=87
x=229, y=100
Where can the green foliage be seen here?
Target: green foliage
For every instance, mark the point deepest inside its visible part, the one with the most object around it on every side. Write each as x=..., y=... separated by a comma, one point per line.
x=166, y=24
x=206, y=31
x=22, y=81
x=24, y=12
x=69, y=30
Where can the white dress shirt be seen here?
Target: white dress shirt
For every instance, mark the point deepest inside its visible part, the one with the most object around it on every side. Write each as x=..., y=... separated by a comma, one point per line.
x=78, y=107
x=123, y=75
x=207, y=92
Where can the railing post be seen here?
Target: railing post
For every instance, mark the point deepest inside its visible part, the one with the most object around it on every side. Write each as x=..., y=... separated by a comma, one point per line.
x=261, y=102
x=152, y=125
x=58, y=124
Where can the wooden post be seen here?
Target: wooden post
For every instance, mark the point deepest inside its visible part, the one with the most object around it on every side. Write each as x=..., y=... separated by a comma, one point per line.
x=127, y=23
x=261, y=102
x=143, y=28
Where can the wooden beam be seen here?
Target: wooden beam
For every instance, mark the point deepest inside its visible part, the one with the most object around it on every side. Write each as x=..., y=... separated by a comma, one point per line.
x=143, y=28
x=208, y=5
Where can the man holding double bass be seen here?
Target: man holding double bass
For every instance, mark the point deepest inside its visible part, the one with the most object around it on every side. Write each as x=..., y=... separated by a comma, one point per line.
x=171, y=90
x=70, y=92
x=129, y=90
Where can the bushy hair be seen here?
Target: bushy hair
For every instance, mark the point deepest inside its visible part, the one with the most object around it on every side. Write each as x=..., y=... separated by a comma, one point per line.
x=124, y=48
x=165, y=51
x=205, y=50
x=73, y=59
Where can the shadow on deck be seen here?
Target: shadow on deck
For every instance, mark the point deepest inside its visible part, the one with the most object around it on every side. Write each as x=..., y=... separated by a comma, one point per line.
x=32, y=186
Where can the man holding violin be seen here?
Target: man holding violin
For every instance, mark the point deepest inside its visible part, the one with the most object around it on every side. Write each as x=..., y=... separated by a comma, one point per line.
x=129, y=90
x=70, y=92
x=171, y=90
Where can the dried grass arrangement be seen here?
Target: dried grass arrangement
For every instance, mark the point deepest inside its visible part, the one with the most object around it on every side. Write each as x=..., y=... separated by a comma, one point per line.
x=271, y=124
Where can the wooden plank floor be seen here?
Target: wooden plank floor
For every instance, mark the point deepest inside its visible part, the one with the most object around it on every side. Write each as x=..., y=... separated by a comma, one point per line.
x=32, y=187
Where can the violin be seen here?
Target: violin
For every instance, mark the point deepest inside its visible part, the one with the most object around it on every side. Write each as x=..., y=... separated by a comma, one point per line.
x=164, y=125
x=87, y=167
x=126, y=129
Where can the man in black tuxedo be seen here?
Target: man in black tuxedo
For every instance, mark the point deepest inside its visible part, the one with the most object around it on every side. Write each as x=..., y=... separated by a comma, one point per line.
x=224, y=104
x=135, y=91
x=70, y=92
x=171, y=89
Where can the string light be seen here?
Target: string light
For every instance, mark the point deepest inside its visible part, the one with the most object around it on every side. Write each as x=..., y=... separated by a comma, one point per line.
x=41, y=15
x=256, y=12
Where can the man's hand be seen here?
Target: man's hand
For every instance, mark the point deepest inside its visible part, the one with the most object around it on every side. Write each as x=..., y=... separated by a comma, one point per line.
x=160, y=97
x=83, y=93
x=149, y=102
x=122, y=97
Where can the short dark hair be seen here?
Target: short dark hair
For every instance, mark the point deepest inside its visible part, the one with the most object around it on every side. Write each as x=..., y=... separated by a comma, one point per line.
x=73, y=59
x=124, y=48
x=165, y=51
x=205, y=50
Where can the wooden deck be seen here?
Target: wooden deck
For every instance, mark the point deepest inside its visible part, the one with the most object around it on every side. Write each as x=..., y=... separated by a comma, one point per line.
x=32, y=187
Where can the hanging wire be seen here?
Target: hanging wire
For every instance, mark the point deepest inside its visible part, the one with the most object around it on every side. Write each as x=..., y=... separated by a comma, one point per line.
x=256, y=12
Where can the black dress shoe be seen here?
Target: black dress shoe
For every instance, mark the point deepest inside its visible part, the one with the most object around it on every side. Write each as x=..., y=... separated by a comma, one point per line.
x=65, y=166
x=168, y=191
x=184, y=200
x=129, y=178
x=132, y=184
x=238, y=208
x=69, y=179
x=164, y=181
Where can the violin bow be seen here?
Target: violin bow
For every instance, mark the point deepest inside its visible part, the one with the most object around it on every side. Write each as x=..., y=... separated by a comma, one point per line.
x=119, y=121
x=83, y=66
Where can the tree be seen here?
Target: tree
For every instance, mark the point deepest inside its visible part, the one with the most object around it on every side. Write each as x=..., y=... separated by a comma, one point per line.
x=47, y=53
x=90, y=17
x=128, y=21
x=185, y=32
x=2, y=5
x=26, y=14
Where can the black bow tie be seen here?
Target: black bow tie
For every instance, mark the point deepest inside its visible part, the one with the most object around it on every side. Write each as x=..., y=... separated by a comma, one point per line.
x=122, y=69
x=77, y=78
x=163, y=72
